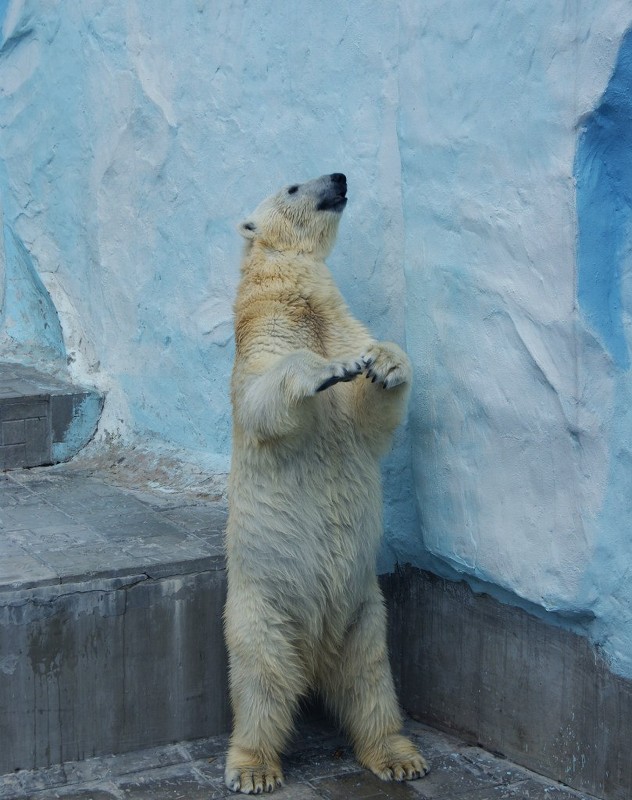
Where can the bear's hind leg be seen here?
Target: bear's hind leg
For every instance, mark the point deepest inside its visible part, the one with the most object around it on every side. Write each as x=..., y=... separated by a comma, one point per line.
x=266, y=682
x=360, y=691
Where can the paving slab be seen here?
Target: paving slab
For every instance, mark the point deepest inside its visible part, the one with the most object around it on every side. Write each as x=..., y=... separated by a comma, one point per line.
x=169, y=783
x=64, y=528
x=319, y=765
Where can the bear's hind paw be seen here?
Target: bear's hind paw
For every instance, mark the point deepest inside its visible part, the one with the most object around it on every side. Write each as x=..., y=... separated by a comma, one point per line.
x=254, y=780
x=395, y=759
x=250, y=773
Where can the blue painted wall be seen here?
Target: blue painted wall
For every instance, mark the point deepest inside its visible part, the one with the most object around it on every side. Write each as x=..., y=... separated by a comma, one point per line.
x=487, y=147
x=514, y=128
x=29, y=325
x=603, y=169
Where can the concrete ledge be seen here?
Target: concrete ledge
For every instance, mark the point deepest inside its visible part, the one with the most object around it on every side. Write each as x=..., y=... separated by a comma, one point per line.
x=110, y=620
x=43, y=420
x=110, y=667
x=505, y=680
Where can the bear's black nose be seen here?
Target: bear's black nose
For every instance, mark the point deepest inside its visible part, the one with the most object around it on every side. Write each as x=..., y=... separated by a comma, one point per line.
x=338, y=177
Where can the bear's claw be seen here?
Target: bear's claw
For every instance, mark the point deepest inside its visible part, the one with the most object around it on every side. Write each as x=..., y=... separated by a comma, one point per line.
x=254, y=780
x=342, y=373
x=387, y=364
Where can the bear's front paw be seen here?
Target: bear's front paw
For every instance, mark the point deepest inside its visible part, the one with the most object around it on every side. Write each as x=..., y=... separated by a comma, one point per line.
x=387, y=364
x=248, y=773
x=340, y=372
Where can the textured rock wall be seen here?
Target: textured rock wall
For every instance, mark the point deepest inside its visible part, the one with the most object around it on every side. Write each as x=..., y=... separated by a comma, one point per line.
x=519, y=438
x=134, y=138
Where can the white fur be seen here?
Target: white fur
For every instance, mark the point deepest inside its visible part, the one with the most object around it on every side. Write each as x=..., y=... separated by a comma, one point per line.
x=304, y=610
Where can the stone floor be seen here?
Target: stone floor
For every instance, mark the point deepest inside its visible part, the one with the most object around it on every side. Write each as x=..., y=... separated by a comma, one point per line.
x=140, y=572
x=60, y=527
x=319, y=765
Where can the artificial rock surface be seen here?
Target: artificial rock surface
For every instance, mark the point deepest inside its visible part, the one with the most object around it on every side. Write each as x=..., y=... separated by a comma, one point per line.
x=479, y=142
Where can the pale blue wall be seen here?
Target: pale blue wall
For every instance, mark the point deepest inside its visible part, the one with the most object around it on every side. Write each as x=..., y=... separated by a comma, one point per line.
x=134, y=137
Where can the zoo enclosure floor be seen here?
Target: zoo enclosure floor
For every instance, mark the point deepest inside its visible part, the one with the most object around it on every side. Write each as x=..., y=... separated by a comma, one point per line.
x=319, y=766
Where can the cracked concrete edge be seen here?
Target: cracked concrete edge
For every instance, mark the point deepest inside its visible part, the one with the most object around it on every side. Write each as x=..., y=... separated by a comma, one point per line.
x=44, y=597
x=49, y=589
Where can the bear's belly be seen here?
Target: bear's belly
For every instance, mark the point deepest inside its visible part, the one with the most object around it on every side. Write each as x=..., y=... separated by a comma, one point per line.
x=304, y=528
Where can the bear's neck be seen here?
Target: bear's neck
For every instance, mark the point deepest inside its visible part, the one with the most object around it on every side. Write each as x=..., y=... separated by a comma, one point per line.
x=289, y=279
x=302, y=271
x=287, y=282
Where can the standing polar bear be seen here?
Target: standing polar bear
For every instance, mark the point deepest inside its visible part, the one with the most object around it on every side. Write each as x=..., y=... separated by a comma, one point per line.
x=304, y=610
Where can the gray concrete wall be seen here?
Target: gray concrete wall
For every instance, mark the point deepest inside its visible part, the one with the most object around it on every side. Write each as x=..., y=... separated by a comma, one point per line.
x=508, y=681
x=110, y=666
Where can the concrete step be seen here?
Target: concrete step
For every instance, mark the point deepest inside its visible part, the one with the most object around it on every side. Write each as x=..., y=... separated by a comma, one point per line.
x=110, y=619
x=43, y=420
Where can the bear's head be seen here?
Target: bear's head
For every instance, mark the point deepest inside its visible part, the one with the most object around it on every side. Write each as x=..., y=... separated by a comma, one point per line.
x=301, y=218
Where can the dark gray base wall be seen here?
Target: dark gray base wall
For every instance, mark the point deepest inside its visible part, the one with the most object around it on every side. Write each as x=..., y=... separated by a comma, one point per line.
x=110, y=666
x=124, y=663
x=500, y=677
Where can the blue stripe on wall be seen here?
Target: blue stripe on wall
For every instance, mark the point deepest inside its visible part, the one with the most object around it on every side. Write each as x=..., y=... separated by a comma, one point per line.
x=4, y=7
x=603, y=172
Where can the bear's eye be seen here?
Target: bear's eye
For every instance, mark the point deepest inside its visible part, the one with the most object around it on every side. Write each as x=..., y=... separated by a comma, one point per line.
x=292, y=189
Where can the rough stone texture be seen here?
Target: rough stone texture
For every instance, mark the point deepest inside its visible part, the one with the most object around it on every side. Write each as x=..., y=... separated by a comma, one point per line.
x=125, y=191
x=521, y=406
x=110, y=619
x=486, y=145
x=319, y=764
x=540, y=695
x=43, y=420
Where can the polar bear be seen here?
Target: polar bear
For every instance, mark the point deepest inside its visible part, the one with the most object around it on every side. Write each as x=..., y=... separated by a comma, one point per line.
x=315, y=402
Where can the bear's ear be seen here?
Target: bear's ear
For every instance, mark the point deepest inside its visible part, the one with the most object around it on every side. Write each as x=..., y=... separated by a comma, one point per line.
x=247, y=228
